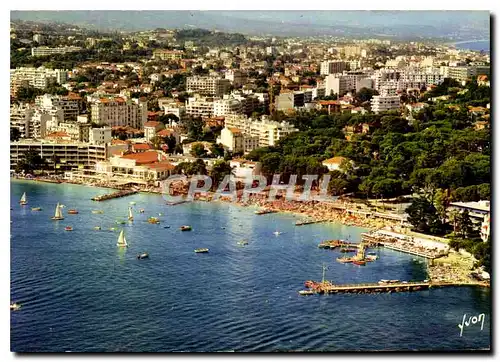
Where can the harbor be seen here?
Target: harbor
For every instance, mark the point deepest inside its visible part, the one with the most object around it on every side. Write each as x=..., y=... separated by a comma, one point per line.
x=114, y=195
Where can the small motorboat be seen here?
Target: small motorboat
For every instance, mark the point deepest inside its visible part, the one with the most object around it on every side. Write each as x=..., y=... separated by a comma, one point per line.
x=201, y=250
x=36, y=209
x=306, y=292
x=277, y=233
x=141, y=211
x=359, y=262
x=166, y=227
x=371, y=257
x=242, y=242
x=153, y=220
x=97, y=212
x=132, y=202
x=97, y=228
x=72, y=211
x=143, y=256
x=15, y=306
x=112, y=229
x=68, y=228
x=185, y=228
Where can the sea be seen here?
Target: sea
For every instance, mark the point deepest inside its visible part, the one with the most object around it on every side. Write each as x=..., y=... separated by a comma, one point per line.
x=81, y=293
x=480, y=45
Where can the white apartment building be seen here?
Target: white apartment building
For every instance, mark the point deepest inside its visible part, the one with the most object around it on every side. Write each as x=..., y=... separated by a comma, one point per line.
x=117, y=111
x=267, y=131
x=227, y=106
x=209, y=86
x=76, y=131
x=69, y=154
x=290, y=100
x=342, y=83
x=37, y=77
x=20, y=118
x=100, y=136
x=70, y=106
x=200, y=107
x=384, y=103
x=332, y=67
x=41, y=51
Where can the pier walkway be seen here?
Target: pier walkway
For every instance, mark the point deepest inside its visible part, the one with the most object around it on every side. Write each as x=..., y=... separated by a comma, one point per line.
x=114, y=195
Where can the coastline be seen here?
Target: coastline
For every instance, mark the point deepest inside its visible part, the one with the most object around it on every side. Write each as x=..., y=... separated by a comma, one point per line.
x=450, y=269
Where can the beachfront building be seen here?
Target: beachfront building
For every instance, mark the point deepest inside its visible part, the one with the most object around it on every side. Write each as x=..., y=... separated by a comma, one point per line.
x=63, y=155
x=76, y=131
x=479, y=213
x=244, y=169
x=118, y=111
x=234, y=140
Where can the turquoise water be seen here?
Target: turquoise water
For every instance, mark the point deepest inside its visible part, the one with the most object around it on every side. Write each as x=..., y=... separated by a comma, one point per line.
x=80, y=293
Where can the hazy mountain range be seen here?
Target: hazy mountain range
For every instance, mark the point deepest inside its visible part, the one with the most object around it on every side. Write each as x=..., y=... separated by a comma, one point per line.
x=458, y=25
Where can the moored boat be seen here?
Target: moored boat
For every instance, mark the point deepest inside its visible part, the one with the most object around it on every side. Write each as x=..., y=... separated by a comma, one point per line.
x=242, y=242
x=97, y=228
x=185, y=228
x=36, y=209
x=143, y=256
x=72, y=211
x=68, y=228
x=359, y=262
x=97, y=212
x=141, y=211
x=58, y=214
x=306, y=292
x=345, y=260
x=201, y=250
x=153, y=220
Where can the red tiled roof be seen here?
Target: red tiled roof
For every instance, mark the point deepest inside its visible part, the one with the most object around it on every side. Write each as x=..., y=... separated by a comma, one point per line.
x=165, y=132
x=57, y=134
x=152, y=124
x=141, y=146
x=143, y=157
x=119, y=142
x=327, y=103
x=161, y=166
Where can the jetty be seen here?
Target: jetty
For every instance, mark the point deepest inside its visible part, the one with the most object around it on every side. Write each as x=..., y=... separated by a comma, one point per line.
x=308, y=222
x=326, y=287
x=114, y=195
x=264, y=211
x=333, y=244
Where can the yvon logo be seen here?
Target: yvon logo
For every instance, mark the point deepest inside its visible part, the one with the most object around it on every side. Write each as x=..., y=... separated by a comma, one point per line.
x=472, y=320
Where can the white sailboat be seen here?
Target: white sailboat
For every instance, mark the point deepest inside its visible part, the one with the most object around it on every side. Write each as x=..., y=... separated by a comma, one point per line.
x=122, y=242
x=58, y=215
x=24, y=199
x=130, y=215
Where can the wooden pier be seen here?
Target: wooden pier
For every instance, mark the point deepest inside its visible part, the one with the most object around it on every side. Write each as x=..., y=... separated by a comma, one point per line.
x=114, y=195
x=326, y=287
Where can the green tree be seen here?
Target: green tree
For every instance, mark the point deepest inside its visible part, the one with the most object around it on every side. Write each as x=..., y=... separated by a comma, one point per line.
x=31, y=162
x=217, y=150
x=365, y=94
x=464, y=224
x=423, y=216
x=219, y=170
x=198, y=150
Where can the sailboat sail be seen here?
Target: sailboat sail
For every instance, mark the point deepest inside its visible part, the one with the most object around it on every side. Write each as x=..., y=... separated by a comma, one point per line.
x=58, y=214
x=130, y=216
x=23, y=199
x=121, y=239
